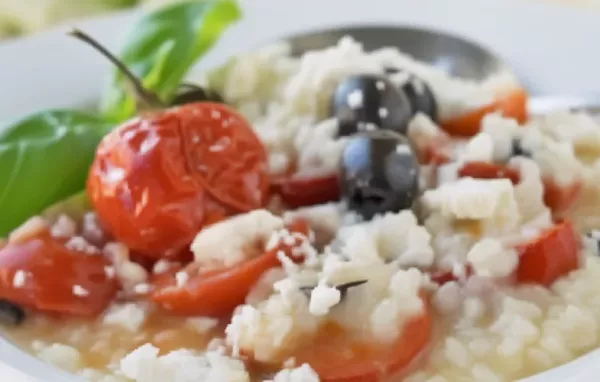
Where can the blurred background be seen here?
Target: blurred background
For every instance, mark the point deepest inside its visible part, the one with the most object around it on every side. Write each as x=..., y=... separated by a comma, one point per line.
x=21, y=17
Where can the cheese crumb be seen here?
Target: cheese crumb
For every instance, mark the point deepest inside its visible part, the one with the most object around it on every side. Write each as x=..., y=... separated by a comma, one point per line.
x=490, y=259
x=80, y=291
x=323, y=298
x=130, y=316
x=62, y=356
x=225, y=243
x=303, y=373
x=19, y=279
x=181, y=278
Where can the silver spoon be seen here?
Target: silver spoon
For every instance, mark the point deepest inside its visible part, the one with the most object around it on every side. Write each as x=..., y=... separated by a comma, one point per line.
x=457, y=56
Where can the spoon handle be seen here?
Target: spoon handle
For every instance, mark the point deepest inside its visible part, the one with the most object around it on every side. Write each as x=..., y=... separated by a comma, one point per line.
x=539, y=105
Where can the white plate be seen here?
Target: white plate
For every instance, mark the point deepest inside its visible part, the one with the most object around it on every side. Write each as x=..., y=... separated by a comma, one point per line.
x=550, y=48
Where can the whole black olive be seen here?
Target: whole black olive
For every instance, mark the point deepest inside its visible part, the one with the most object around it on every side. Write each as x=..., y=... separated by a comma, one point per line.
x=419, y=94
x=11, y=314
x=366, y=102
x=189, y=93
x=379, y=173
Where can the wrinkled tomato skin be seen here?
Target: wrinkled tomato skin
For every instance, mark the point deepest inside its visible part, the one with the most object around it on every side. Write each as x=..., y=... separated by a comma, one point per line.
x=484, y=170
x=158, y=179
x=51, y=271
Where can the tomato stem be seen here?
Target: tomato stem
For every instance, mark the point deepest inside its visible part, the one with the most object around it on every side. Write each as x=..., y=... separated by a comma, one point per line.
x=147, y=96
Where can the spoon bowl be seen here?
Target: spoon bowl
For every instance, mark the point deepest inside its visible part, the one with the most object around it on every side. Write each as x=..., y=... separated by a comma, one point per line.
x=458, y=56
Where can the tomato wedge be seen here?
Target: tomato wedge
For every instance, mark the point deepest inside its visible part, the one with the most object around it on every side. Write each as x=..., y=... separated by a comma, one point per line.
x=42, y=274
x=338, y=357
x=484, y=170
x=553, y=254
x=300, y=191
x=218, y=292
x=512, y=105
x=560, y=198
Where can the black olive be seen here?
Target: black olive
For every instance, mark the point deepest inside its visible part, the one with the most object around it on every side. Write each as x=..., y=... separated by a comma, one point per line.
x=419, y=94
x=379, y=173
x=343, y=288
x=11, y=314
x=367, y=102
x=518, y=150
x=189, y=93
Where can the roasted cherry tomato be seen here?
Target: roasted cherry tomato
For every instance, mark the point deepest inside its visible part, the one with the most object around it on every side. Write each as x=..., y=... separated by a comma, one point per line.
x=158, y=179
x=42, y=274
x=484, y=170
x=217, y=292
x=511, y=105
x=299, y=191
x=338, y=356
x=553, y=254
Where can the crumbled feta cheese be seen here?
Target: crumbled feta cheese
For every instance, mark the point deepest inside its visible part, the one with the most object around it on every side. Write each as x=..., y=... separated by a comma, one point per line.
x=19, y=279
x=393, y=236
x=447, y=298
x=225, y=243
x=322, y=218
x=109, y=271
x=402, y=303
x=79, y=244
x=319, y=148
x=80, y=291
x=479, y=149
x=142, y=288
x=161, y=266
x=303, y=373
x=62, y=356
x=323, y=298
x=145, y=365
x=130, y=316
x=202, y=324
x=557, y=161
x=129, y=273
x=470, y=198
x=503, y=131
x=64, y=227
x=490, y=259
x=181, y=278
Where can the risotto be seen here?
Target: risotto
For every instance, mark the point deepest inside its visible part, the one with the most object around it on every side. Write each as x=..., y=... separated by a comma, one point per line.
x=344, y=215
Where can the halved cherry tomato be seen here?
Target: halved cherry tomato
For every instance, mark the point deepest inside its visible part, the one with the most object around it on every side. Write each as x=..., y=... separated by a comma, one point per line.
x=551, y=255
x=217, y=292
x=484, y=170
x=55, y=279
x=158, y=179
x=299, y=191
x=338, y=357
x=512, y=105
x=560, y=198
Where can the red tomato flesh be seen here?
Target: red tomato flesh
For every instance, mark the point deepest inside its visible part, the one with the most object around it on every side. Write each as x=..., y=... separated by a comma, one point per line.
x=484, y=170
x=218, y=292
x=300, y=191
x=551, y=255
x=158, y=179
x=337, y=356
x=51, y=272
x=511, y=105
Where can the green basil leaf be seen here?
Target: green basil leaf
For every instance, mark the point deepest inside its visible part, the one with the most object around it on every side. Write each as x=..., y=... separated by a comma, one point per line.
x=44, y=158
x=163, y=46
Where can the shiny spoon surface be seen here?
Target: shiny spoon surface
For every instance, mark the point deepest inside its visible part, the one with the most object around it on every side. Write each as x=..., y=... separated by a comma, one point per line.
x=456, y=55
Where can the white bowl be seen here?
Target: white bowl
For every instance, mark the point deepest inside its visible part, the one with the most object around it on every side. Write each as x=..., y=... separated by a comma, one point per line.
x=548, y=46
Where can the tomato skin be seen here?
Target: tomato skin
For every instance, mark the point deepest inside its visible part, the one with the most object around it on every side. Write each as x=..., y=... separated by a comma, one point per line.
x=337, y=357
x=158, y=179
x=513, y=104
x=551, y=255
x=301, y=191
x=216, y=293
x=484, y=170
x=52, y=271
x=560, y=198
